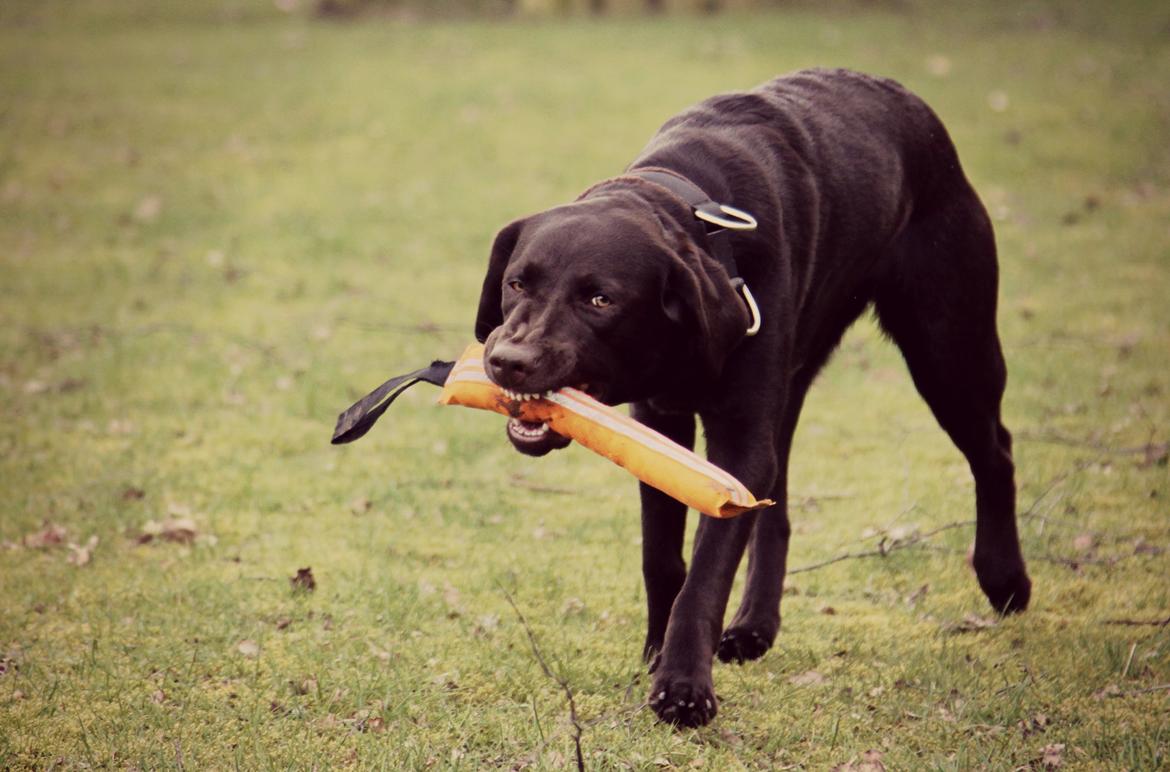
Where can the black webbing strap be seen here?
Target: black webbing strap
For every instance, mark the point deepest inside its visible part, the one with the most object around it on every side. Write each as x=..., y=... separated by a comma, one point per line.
x=361, y=415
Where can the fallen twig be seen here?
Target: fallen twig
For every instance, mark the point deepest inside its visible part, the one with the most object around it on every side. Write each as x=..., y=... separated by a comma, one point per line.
x=1113, y=692
x=563, y=683
x=1138, y=622
x=884, y=548
x=1051, y=438
x=1148, y=689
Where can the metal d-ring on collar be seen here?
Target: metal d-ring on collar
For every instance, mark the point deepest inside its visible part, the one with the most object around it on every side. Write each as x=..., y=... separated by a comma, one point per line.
x=724, y=218
x=736, y=219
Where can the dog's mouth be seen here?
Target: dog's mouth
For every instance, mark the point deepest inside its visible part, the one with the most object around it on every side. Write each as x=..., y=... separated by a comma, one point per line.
x=535, y=438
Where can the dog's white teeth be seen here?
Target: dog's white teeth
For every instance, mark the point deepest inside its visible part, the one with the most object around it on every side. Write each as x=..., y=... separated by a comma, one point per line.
x=519, y=396
x=518, y=428
x=548, y=394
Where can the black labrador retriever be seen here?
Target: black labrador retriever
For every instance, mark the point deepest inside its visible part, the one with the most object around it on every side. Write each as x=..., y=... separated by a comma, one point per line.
x=631, y=293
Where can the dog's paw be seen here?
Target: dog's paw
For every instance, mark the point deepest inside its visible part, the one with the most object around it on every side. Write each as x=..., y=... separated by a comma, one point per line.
x=739, y=644
x=683, y=701
x=1007, y=587
x=1009, y=595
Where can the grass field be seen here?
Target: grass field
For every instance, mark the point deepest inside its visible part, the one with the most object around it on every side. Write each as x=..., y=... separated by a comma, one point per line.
x=221, y=223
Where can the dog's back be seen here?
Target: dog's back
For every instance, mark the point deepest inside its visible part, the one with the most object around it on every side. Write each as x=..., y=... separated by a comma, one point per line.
x=835, y=165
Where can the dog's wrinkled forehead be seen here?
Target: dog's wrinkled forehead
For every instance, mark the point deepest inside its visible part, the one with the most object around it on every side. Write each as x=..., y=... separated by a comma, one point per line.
x=572, y=243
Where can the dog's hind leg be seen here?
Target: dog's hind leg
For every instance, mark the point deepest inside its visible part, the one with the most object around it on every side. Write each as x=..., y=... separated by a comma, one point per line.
x=756, y=623
x=938, y=303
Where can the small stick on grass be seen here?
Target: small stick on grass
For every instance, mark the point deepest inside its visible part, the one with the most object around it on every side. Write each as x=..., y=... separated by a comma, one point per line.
x=1138, y=622
x=563, y=683
x=883, y=548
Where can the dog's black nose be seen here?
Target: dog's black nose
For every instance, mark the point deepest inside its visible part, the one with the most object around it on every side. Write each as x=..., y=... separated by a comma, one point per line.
x=509, y=363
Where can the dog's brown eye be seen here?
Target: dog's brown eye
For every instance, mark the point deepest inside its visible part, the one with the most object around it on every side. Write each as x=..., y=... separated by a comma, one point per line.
x=516, y=285
x=600, y=300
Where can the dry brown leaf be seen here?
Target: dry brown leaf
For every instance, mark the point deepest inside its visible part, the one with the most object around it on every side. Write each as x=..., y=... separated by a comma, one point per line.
x=306, y=686
x=808, y=678
x=148, y=209
x=1155, y=454
x=486, y=624
x=914, y=598
x=1142, y=547
x=1033, y=725
x=971, y=623
x=360, y=505
x=870, y=761
x=82, y=555
x=181, y=530
x=1112, y=690
x=50, y=535
x=303, y=581
x=1052, y=756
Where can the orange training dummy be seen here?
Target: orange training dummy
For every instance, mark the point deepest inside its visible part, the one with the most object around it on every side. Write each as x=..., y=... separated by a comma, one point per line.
x=648, y=455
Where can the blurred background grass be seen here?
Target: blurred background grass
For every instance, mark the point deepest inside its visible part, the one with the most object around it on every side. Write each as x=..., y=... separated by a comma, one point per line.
x=221, y=222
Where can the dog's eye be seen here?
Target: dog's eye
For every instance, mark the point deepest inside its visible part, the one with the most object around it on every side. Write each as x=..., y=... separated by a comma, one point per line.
x=600, y=300
x=516, y=285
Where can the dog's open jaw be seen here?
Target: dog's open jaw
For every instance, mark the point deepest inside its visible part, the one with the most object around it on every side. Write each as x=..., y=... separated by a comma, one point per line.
x=532, y=438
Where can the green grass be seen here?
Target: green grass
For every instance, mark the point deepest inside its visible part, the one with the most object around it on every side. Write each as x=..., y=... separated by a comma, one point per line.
x=219, y=224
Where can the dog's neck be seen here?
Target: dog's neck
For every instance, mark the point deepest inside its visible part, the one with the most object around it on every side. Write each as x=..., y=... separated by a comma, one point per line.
x=717, y=222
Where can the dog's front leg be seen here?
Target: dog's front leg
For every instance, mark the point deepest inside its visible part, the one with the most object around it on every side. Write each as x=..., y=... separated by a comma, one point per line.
x=683, y=691
x=663, y=531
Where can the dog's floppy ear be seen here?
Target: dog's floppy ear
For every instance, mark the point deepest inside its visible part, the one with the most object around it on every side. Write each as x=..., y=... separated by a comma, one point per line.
x=490, y=316
x=699, y=297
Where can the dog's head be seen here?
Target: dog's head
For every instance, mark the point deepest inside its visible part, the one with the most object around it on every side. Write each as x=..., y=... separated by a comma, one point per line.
x=613, y=295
